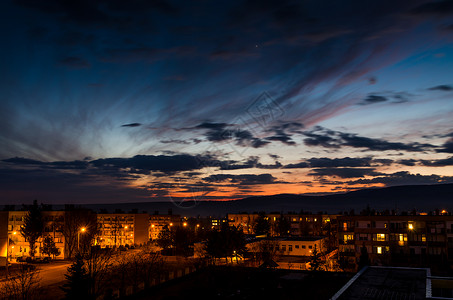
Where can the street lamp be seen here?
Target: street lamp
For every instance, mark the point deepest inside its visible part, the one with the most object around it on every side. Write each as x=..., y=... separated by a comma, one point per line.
x=7, y=250
x=82, y=230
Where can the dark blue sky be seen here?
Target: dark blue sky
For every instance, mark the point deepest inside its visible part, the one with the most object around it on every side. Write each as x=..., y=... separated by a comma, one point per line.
x=156, y=100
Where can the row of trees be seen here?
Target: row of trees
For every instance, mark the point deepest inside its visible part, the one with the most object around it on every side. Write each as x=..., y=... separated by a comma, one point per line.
x=98, y=271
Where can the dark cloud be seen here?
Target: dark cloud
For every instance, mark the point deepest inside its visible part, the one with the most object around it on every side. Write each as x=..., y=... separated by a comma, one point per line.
x=243, y=179
x=74, y=62
x=407, y=162
x=444, y=88
x=404, y=178
x=371, y=99
x=344, y=172
x=438, y=162
x=221, y=132
x=49, y=186
x=339, y=162
x=161, y=163
x=131, y=125
x=447, y=147
x=300, y=165
x=390, y=97
x=284, y=132
x=325, y=162
x=336, y=139
x=77, y=164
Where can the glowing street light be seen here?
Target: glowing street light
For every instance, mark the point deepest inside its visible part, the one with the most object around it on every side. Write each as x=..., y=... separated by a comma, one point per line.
x=184, y=224
x=82, y=230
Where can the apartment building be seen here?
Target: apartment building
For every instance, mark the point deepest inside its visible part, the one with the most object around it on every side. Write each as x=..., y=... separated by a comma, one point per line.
x=157, y=222
x=298, y=224
x=121, y=229
x=15, y=245
x=246, y=221
x=406, y=240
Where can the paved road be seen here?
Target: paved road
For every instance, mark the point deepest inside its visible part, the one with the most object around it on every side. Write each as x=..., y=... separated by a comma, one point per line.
x=52, y=273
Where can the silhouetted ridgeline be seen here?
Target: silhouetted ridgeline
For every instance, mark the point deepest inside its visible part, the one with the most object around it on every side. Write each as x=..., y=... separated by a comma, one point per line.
x=420, y=197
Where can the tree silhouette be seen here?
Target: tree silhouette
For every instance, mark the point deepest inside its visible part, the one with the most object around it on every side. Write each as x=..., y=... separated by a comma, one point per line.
x=227, y=242
x=164, y=238
x=33, y=227
x=78, y=281
x=261, y=225
x=48, y=247
x=315, y=259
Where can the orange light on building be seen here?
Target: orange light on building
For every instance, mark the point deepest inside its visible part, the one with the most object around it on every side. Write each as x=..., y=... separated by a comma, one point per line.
x=152, y=226
x=184, y=224
x=125, y=227
x=171, y=224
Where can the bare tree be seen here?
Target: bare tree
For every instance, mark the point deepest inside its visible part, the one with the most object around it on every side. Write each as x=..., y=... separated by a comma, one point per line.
x=98, y=263
x=23, y=285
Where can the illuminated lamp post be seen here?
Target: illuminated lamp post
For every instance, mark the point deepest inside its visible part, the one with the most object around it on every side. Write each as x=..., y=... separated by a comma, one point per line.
x=82, y=230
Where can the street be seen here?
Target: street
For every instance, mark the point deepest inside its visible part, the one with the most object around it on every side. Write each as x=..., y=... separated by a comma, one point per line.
x=52, y=273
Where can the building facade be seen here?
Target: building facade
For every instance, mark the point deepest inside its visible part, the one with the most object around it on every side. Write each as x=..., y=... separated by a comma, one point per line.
x=157, y=223
x=122, y=229
x=397, y=240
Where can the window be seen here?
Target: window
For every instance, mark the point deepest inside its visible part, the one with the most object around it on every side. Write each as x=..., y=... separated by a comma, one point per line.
x=345, y=226
x=297, y=246
x=283, y=247
x=290, y=248
x=380, y=237
x=379, y=250
x=348, y=237
x=310, y=247
x=303, y=246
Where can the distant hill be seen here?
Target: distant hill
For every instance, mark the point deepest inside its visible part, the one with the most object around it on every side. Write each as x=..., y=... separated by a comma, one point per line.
x=420, y=197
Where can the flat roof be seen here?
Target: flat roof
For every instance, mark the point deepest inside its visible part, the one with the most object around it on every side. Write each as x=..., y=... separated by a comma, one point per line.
x=385, y=283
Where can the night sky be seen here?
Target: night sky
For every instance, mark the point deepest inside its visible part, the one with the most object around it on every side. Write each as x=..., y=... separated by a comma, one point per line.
x=132, y=101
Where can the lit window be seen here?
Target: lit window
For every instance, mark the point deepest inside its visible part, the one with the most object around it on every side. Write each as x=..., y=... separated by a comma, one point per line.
x=379, y=250
x=380, y=237
x=411, y=226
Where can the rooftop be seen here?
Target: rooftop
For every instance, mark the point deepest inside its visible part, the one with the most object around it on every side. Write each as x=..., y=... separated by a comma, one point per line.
x=385, y=283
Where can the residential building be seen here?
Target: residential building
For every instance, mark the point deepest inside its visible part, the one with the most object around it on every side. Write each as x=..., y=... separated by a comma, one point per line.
x=157, y=222
x=298, y=224
x=289, y=246
x=398, y=240
x=121, y=229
